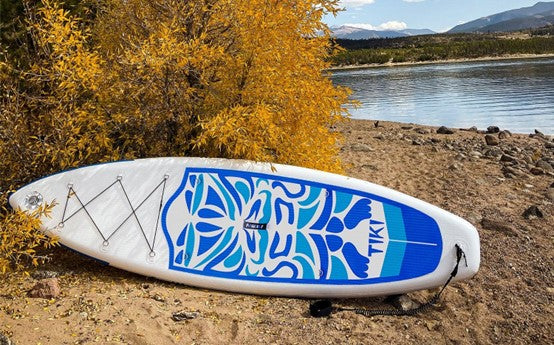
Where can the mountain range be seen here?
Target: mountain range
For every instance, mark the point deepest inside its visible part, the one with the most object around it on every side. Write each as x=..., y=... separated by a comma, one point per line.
x=355, y=33
x=536, y=16
x=539, y=15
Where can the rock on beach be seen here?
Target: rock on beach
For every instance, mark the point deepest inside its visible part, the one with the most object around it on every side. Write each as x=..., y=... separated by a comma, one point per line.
x=444, y=130
x=491, y=140
x=45, y=288
x=493, y=129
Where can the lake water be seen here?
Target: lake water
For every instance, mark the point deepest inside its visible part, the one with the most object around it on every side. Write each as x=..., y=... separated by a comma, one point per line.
x=517, y=95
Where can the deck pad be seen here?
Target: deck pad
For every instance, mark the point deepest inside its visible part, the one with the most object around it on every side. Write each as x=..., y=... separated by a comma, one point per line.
x=255, y=226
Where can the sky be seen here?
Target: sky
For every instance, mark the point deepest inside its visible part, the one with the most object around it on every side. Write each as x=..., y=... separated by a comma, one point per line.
x=437, y=15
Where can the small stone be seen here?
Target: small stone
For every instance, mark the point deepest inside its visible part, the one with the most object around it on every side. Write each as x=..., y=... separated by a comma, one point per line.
x=369, y=167
x=549, y=145
x=407, y=128
x=544, y=165
x=539, y=133
x=508, y=175
x=493, y=129
x=460, y=157
x=504, y=134
x=46, y=288
x=359, y=147
x=491, y=140
x=536, y=171
x=158, y=298
x=475, y=154
x=533, y=212
x=4, y=340
x=435, y=140
x=184, y=315
x=493, y=152
x=473, y=129
x=507, y=158
x=455, y=166
x=44, y=274
x=548, y=289
x=417, y=142
x=402, y=302
x=422, y=130
x=498, y=225
x=379, y=136
x=510, y=172
x=432, y=325
x=444, y=130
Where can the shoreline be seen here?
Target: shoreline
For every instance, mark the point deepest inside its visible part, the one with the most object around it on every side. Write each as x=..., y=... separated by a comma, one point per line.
x=436, y=62
x=472, y=130
x=456, y=128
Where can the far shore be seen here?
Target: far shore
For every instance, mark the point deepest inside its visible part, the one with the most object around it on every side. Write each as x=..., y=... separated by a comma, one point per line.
x=434, y=62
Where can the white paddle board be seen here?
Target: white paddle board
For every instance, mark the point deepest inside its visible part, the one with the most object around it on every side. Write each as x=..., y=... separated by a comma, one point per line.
x=251, y=227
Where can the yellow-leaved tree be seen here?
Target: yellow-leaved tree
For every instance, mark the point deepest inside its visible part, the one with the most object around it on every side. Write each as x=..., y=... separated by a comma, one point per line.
x=240, y=79
x=143, y=78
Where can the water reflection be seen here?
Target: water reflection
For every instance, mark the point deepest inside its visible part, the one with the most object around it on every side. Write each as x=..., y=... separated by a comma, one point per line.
x=517, y=94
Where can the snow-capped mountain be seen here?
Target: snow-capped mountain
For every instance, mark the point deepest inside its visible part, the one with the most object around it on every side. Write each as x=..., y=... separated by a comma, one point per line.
x=356, y=33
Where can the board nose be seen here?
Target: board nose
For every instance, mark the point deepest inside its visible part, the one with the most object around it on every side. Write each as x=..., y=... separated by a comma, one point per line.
x=29, y=197
x=16, y=199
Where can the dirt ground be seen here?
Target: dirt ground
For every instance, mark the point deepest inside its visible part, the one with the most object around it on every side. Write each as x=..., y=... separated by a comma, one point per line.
x=510, y=300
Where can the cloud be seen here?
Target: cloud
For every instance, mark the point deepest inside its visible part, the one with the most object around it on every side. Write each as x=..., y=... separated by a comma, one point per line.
x=392, y=26
x=356, y=3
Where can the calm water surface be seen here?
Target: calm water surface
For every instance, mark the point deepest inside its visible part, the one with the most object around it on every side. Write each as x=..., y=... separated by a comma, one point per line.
x=517, y=95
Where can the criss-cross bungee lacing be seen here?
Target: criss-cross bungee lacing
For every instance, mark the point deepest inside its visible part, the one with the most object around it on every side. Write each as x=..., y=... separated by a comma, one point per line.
x=106, y=239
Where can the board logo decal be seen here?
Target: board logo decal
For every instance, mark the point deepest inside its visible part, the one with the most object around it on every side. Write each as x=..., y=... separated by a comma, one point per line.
x=326, y=234
x=254, y=226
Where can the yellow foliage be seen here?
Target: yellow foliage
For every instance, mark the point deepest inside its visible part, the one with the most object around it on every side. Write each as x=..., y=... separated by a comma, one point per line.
x=237, y=79
x=20, y=238
x=143, y=78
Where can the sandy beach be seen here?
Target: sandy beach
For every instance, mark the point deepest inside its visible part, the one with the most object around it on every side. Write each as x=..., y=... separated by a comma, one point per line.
x=491, y=184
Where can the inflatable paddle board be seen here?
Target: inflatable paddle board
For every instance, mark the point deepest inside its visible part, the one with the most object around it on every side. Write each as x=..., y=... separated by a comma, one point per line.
x=254, y=228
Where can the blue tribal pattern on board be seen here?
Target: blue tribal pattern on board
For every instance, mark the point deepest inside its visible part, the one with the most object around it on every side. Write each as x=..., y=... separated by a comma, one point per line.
x=253, y=226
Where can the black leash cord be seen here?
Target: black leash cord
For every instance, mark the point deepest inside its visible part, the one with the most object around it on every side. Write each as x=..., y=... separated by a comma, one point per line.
x=324, y=308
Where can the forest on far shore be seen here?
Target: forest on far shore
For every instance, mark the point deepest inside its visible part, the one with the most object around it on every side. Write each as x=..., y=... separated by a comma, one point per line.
x=443, y=47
